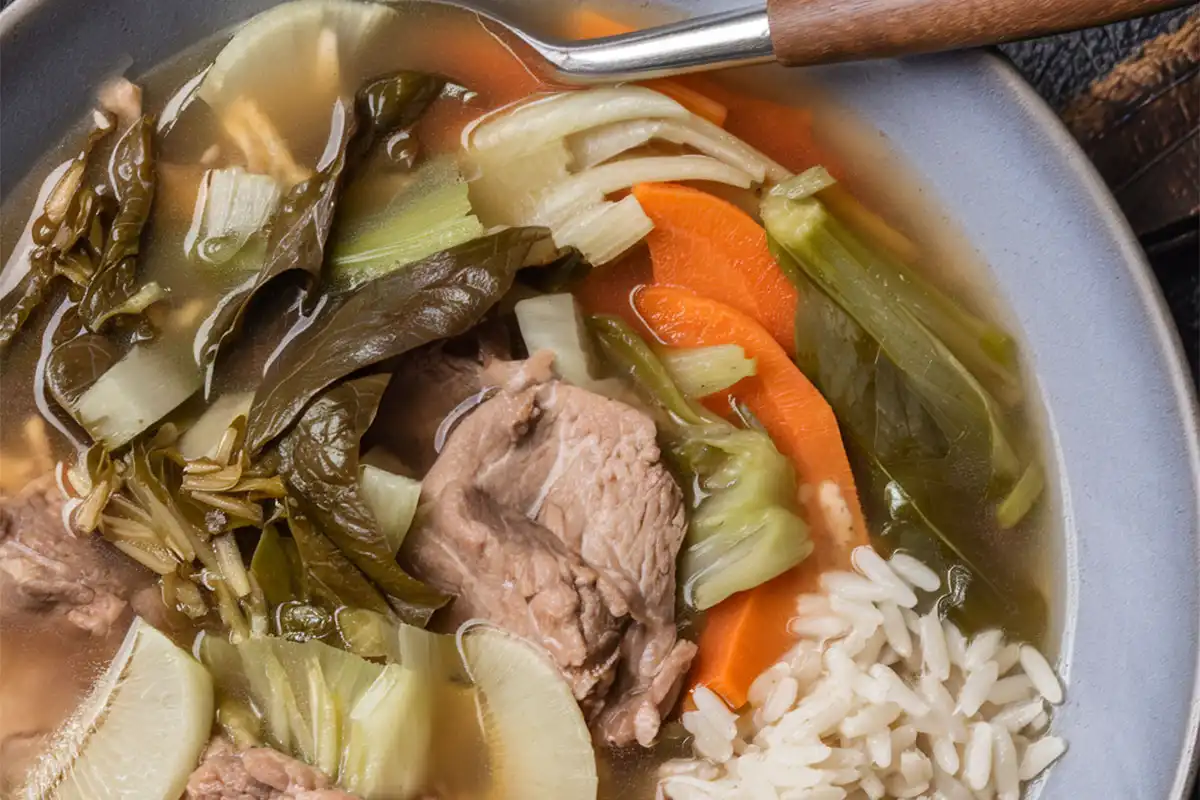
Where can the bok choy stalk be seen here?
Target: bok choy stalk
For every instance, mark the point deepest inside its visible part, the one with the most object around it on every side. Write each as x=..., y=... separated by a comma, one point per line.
x=431, y=214
x=554, y=322
x=364, y=724
x=149, y=382
x=701, y=371
x=932, y=442
x=231, y=206
x=746, y=528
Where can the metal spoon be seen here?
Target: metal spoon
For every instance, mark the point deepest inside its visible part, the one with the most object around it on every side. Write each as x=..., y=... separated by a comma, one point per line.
x=803, y=32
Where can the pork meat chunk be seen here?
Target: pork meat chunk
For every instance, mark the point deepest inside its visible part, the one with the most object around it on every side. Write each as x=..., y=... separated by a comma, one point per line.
x=259, y=773
x=550, y=513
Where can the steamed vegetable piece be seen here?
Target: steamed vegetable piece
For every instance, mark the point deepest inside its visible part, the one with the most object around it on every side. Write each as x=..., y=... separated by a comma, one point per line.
x=333, y=579
x=231, y=206
x=319, y=461
x=70, y=208
x=898, y=360
x=299, y=231
x=549, y=161
x=710, y=246
x=106, y=742
x=113, y=289
x=538, y=742
x=364, y=724
x=439, y=297
x=149, y=382
x=701, y=371
x=553, y=322
x=392, y=499
x=745, y=529
x=431, y=214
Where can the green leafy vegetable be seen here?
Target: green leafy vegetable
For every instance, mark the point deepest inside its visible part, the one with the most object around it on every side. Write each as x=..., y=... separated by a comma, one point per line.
x=392, y=499
x=896, y=360
x=67, y=238
x=398, y=100
x=149, y=382
x=428, y=216
x=114, y=289
x=320, y=464
x=75, y=365
x=745, y=528
x=329, y=572
x=701, y=371
x=233, y=205
x=301, y=228
x=439, y=297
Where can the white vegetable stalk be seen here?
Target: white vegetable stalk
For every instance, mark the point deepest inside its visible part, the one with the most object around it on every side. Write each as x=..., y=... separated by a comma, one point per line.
x=701, y=371
x=606, y=231
x=551, y=162
x=553, y=322
x=601, y=144
x=232, y=206
x=543, y=120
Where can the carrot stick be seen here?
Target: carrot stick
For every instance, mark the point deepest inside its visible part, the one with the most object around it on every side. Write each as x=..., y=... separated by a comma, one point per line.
x=715, y=249
x=748, y=632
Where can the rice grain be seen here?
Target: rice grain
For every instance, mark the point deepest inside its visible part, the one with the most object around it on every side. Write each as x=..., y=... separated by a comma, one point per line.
x=1042, y=674
x=977, y=759
x=915, y=572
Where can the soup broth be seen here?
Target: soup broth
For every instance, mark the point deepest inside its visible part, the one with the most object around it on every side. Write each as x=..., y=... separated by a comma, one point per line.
x=998, y=575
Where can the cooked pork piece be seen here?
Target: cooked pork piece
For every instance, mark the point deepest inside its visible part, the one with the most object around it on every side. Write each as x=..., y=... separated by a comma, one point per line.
x=259, y=773
x=550, y=513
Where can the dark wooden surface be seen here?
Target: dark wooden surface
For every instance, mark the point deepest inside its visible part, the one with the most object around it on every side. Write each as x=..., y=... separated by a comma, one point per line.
x=814, y=31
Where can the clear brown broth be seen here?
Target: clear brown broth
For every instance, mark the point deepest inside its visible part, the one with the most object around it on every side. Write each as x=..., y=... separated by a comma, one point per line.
x=459, y=46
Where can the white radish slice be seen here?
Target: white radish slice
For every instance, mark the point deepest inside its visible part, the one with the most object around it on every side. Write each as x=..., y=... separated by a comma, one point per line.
x=537, y=739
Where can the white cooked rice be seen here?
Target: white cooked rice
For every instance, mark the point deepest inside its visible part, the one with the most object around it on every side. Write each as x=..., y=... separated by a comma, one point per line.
x=876, y=701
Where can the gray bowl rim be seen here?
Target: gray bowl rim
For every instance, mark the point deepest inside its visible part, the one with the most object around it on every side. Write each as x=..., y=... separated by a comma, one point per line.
x=1118, y=723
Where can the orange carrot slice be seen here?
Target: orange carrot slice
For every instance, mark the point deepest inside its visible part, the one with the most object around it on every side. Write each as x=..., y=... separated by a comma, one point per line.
x=715, y=249
x=747, y=633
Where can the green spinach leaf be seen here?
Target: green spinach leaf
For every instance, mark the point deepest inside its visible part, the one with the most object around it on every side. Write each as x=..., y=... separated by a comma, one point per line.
x=300, y=229
x=75, y=365
x=442, y=296
x=114, y=289
x=319, y=460
x=330, y=574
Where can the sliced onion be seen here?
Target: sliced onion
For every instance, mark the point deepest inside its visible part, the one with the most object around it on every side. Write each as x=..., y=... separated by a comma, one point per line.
x=612, y=177
x=533, y=124
x=600, y=144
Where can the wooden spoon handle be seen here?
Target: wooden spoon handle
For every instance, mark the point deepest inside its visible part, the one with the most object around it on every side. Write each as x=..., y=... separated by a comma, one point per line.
x=824, y=31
